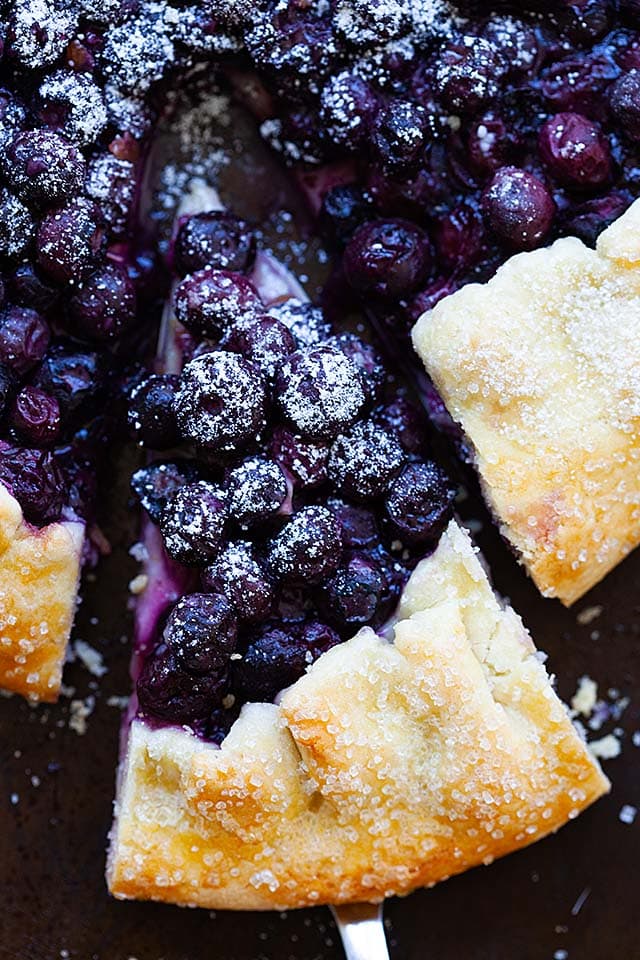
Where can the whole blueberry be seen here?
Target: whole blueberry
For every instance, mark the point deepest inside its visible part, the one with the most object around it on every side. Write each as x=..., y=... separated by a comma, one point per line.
x=347, y=106
x=256, y=490
x=266, y=341
x=214, y=239
x=308, y=548
x=76, y=379
x=364, y=460
x=43, y=167
x=352, y=596
x=366, y=359
x=575, y=150
x=399, y=135
x=319, y=391
x=305, y=461
x=344, y=209
x=242, y=578
x=36, y=481
x=29, y=289
x=405, y=421
x=519, y=207
x=459, y=237
x=7, y=387
x=587, y=220
x=201, y=632
x=36, y=417
x=104, y=304
x=624, y=99
x=514, y=40
x=24, y=338
x=192, y=522
x=358, y=525
x=17, y=226
x=467, y=75
x=387, y=258
x=169, y=692
x=210, y=301
x=221, y=402
x=304, y=320
x=491, y=143
x=419, y=502
x=154, y=484
x=70, y=241
x=151, y=415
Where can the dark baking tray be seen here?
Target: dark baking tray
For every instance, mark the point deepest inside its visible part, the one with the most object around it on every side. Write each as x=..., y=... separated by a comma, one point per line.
x=571, y=896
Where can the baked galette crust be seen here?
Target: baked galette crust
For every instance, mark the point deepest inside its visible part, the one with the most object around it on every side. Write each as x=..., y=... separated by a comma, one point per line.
x=541, y=368
x=387, y=767
x=39, y=573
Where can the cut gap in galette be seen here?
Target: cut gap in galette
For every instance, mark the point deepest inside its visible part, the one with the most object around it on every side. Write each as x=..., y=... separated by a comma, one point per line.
x=331, y=704
x=540, y=368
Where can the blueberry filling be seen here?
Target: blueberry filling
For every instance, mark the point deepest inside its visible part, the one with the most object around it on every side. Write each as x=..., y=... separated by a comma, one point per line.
x=432, y=143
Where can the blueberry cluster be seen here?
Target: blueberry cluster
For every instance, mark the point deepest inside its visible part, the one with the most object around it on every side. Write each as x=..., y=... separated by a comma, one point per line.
x=304, y=496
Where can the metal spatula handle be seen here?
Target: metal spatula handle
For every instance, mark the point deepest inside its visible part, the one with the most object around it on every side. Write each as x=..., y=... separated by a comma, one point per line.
x=362, y=931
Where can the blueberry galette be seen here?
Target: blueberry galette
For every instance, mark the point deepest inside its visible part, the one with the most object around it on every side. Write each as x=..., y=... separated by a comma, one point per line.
x=540, y=367
x=417, y=734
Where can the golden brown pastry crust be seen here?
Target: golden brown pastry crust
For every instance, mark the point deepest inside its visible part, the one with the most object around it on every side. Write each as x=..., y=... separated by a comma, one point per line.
x=385, y=768
x=541, y=368
x=39, y=573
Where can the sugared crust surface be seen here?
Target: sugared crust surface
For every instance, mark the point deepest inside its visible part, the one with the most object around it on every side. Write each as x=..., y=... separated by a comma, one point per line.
x=39, y=573
x=385, y=768
x=541, y=368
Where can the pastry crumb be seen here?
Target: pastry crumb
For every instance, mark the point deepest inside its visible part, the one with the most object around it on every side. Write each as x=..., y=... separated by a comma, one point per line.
x=606, y=748
x=119, y=703
x=79, y=710
x=585, y=698
x=90, y=658
x=627, y=813
x=589, y=614
x=138, y=584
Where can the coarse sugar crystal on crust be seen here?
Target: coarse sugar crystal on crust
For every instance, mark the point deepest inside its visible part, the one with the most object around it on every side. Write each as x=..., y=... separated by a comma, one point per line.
x=541, y=369
x=39, y=574
x=388, y=766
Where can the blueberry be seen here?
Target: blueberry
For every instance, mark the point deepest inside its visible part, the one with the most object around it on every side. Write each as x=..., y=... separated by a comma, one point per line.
x=364, y=460
x=209, y=302
x=358, y=525
x=319, y=391
x=468, y=74
x=242, y=578
x=399, y=136
x=419, y=503
x=519, y=207
x=344, y=209
x=70, y=241
x=43, y=167
x=347, y=106
x=515, y=41
x=624, y=99
x=305, y=461
x=29, y=289
x=256, y=490
x=36, y=417
x=36, y=481
x=221, y=402
x=460, y=237
x=201, y=632
x=305, y=321
x=220, y=722
x=587, y=220
x=154, y=484
x=192, y=522
x=575, y=150
x=72, y=102
x=7, y=388
x=104, y=304
x=266, y=341
x=215, y=239
x=24, y=339
x=278, y=656
x=111, y=183
x=491, y=143
x=77, y=380
x=387, y=258
x=368, y=362
x=353, y=595
x=405, y=421
x=151, y=415
x=308, y=548
x=169, y=692
x=17, y=226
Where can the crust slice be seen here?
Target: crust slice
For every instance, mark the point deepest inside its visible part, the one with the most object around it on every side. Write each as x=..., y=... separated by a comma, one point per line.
x=388, y=766
x=541, y=368
x=39, y=574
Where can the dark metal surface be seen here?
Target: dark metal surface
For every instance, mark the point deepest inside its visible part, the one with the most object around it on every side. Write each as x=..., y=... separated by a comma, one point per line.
x=570, y=897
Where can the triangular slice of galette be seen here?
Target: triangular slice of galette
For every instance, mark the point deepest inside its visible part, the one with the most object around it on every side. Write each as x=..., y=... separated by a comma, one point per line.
x=331, y=704
x=540, y=367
